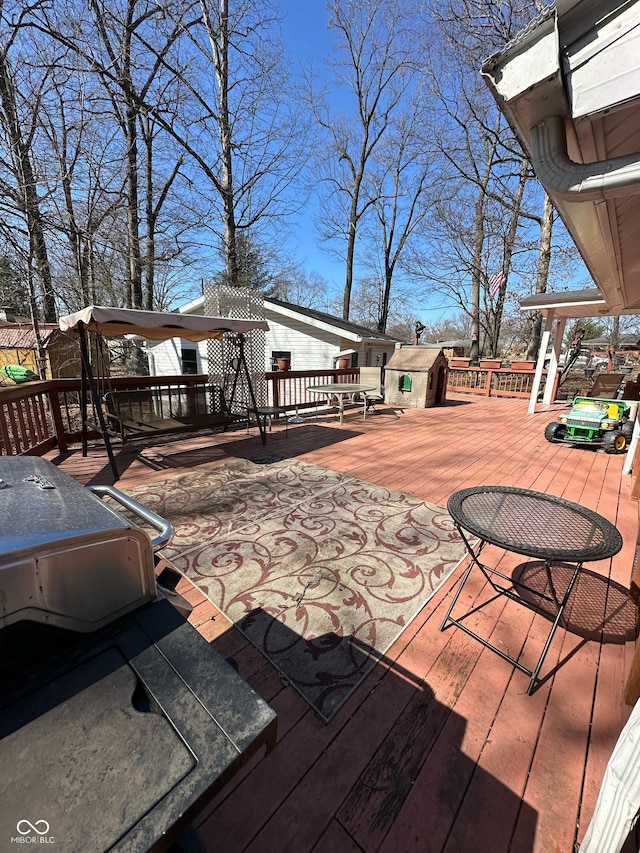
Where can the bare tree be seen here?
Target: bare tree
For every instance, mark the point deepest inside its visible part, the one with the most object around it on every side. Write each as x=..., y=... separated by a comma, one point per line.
x=485, y=161
x=494, y=309
x=301, y=288
x=85, y=186
x=376, y=63
x=155, y=202
x=544, y=263
x=18, y=112
x=128, y=66
x=367, y=306
x=251, y=141
x=124, y=48
x=404, y=180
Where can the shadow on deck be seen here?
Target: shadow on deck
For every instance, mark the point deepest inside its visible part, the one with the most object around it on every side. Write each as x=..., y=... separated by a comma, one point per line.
x=439, y=749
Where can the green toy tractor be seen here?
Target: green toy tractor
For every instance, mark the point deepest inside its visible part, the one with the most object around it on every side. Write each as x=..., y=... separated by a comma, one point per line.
x=595, y=420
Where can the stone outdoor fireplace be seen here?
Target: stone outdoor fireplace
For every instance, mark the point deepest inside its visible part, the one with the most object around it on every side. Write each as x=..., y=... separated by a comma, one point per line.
x=416, y=376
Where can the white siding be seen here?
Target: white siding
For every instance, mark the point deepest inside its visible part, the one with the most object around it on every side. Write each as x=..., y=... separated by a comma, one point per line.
x=311, y=348
x=165, y=357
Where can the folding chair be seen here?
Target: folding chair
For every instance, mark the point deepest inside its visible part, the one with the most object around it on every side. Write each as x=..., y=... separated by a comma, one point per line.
x=372, y=376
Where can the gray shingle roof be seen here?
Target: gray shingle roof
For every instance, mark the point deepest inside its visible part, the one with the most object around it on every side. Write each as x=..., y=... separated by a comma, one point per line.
x=338, y=322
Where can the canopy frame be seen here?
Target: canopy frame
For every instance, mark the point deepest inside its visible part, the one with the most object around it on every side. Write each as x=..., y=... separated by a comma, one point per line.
x=115, y=322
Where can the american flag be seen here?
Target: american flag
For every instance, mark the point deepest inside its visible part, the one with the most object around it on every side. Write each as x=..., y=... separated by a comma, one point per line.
x=497, y=281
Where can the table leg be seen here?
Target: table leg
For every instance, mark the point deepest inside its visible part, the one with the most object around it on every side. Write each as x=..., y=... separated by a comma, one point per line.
x=510, y=592
x=556, y=622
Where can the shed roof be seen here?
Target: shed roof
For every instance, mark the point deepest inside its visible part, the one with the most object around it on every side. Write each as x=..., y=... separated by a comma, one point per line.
x=414, y=358
x=23, y=336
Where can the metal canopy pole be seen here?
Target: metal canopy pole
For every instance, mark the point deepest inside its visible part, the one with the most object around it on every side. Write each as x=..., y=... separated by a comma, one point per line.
x=88, y=378
x=241, y=365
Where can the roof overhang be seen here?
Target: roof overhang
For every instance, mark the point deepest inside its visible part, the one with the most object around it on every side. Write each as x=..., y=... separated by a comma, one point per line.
x=568, y=303
x=569, y=85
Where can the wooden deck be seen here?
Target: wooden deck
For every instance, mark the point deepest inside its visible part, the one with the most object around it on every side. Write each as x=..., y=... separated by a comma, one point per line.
x=441, y=748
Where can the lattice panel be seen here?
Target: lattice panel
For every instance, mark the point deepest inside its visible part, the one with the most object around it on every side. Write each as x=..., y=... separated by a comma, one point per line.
x=238, y=303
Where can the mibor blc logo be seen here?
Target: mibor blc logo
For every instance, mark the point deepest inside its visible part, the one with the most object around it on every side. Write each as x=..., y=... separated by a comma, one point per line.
x=33, y=833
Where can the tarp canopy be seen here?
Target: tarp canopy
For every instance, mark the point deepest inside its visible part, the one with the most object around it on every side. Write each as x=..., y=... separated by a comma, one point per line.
x=155, y=325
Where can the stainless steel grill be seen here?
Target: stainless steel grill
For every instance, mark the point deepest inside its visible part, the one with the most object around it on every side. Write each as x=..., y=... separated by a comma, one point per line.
x=117, y=719
x=66, y=558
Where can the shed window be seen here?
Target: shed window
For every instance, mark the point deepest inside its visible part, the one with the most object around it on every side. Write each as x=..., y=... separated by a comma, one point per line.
x=404, y=382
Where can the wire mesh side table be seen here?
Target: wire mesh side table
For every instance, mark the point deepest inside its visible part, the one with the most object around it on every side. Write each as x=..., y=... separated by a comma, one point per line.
x=535, y=525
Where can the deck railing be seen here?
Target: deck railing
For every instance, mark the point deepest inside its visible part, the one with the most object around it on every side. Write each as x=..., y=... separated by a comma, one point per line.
x=38, y=416
x=493, y=382
x=28, y=424
x=288, y=388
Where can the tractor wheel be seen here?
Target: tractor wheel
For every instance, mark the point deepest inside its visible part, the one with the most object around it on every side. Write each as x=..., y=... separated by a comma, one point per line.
x=614, y=441
x=627, y=430
x=555, y=432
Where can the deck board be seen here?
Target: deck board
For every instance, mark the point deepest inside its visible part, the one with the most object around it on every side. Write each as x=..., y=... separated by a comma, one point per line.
x=440, y=748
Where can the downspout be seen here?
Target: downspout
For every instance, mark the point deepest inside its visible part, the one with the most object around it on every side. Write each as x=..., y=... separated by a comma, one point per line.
x=570, y=181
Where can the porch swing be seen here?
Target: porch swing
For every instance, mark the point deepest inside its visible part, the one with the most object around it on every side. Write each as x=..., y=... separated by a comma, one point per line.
x=151, y=409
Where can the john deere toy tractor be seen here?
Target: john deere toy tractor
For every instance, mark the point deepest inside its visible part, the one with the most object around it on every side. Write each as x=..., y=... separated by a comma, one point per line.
x=594, y=420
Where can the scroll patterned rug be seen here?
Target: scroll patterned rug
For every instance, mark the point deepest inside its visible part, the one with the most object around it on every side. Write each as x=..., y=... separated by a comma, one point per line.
x=319, y=570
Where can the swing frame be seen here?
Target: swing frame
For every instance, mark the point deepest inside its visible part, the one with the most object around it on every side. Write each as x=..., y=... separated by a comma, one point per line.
x=154, y=325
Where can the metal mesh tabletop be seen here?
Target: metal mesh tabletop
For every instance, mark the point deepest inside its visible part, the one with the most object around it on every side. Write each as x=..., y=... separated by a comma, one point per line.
x=534, y=524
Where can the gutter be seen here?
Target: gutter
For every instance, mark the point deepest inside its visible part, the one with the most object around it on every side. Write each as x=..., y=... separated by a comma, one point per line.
x=570, y=181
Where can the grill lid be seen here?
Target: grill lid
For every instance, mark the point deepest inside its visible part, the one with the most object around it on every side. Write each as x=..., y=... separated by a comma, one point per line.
x=66, y=558
x=41, y=505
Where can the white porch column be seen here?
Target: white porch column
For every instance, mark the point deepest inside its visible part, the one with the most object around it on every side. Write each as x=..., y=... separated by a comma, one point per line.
x=556, y=346
x=542, y=352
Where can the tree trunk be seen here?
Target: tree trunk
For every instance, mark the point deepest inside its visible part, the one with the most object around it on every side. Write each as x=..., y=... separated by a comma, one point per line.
x=509, y=245
x=150, y=221
x=133, y=216
x=38, y=256
x=386, y=296
x=354, y=216
x=478, y=243
x=219, y=39
x=544, y=262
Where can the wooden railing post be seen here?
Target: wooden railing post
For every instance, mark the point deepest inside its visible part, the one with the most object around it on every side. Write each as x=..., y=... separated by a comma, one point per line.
x=56, y=416
x=275, y=390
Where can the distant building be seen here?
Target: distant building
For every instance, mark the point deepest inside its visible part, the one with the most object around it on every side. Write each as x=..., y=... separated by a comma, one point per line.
x=18, y=345
x=311, y=339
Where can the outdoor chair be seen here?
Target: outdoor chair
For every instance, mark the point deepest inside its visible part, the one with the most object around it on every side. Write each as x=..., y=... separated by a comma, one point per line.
x=372, y=376
x=606, y=385
x=631, y=391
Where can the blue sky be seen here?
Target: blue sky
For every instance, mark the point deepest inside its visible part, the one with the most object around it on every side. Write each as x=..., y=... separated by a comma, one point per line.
x=308, y=38
x=305, y=28
x=304, y=25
